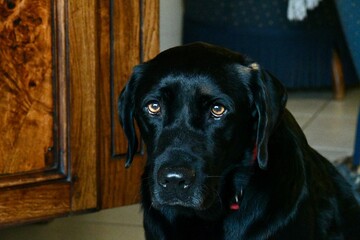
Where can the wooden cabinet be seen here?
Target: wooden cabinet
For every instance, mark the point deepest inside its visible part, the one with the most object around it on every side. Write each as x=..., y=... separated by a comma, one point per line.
x=63, y=64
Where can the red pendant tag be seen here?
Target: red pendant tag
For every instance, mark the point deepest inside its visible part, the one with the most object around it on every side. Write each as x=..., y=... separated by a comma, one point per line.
x=254, y=153
x=234, y=206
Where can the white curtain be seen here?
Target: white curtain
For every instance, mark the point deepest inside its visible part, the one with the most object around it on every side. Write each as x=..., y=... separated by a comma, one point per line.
x=297, y=9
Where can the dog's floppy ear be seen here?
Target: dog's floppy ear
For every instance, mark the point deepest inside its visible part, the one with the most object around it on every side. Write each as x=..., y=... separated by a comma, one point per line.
x=126, y=108
x=269, y=99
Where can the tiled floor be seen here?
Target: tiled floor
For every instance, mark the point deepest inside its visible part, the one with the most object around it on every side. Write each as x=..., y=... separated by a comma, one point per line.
x=329, y=126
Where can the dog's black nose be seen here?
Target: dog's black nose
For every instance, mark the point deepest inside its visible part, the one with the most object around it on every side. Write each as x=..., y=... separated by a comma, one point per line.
x=174, y=179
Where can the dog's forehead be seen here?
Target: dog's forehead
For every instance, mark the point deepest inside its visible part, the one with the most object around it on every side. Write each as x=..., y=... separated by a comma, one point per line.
x=197, y=69
x=201, y=58
x=202, y=83
x=206, y=81
x=200, y=54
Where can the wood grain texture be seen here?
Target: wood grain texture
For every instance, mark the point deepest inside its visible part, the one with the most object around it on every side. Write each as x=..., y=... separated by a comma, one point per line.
x=132, y=36
x=30, y=178
x=26, y=93
x=83, y=102
x=54, y=159
x=126, y=20
x=337, y=76
x=150, y=28
x=31, y=204
x=32, y=169
x=62, y=80
x=68, y=91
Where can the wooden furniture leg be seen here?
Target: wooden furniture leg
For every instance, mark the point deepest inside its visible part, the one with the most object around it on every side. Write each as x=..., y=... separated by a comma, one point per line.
x=338, y=77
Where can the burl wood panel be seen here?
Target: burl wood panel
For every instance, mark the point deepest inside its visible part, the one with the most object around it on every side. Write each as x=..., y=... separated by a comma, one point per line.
x=128, y=35
x=26, y=93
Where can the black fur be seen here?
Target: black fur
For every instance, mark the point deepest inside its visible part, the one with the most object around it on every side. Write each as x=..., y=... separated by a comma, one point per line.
x=198, y=163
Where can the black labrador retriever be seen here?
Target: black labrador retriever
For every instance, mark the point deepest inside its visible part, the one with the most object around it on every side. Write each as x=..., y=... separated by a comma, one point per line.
x=226, y=159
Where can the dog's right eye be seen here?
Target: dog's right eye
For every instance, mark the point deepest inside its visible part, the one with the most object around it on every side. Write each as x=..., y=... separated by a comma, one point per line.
x=153, y=108
x=218, y=111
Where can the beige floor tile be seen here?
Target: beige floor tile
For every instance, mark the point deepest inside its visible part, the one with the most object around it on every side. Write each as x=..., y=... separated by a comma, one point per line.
x=129, y=215
x=305, y=106
x=345, y=109
x=59, y=230
x=302, y=118
x=123, y=223
x=331, y=132
x=333, y=154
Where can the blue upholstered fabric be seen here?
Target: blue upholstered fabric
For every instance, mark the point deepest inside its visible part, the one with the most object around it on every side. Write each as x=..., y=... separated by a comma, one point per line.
x=298, y=53
x=357, y=143
x=349, y=12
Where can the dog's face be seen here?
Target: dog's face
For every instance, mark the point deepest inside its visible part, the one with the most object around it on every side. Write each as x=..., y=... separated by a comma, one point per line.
x=205, y=115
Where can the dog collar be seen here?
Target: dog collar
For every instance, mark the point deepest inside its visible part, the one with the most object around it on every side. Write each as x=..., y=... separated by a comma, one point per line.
x=254, y=153
x=235, y=205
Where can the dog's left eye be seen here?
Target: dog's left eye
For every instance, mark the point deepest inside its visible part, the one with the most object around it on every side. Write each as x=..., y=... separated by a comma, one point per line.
x=153, y=108
x=218, y=110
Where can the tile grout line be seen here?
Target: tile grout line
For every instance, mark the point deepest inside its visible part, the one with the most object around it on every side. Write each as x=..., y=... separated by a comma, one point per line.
x=315, y=115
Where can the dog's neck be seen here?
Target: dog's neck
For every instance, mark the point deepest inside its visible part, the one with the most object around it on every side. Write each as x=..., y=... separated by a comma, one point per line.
x=236, y=200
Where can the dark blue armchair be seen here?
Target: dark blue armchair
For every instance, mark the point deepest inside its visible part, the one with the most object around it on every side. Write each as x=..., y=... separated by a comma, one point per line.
x=299, y=53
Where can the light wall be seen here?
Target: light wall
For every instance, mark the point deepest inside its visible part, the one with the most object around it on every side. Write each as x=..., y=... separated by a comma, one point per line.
x=171, y=13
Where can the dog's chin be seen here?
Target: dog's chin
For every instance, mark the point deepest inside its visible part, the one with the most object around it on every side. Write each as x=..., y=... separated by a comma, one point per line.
x=194, y=203
x=209, y=209
x=178, y=204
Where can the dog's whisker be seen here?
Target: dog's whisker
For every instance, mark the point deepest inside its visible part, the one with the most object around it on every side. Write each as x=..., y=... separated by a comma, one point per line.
x=217, y=194
x=151, y=206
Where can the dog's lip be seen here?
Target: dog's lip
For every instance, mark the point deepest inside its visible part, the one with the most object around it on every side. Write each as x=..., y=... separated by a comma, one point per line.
x=191, y=202
x=179, y=204
x=187, y=201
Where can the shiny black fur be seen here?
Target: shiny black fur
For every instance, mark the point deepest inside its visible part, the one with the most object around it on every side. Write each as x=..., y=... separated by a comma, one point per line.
x=255, y=151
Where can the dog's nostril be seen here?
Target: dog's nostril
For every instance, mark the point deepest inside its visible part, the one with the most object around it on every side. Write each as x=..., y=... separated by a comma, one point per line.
x=176, y=178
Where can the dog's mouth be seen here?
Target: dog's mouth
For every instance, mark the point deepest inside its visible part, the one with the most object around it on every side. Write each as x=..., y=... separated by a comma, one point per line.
x=193, y=202
x=197, y=199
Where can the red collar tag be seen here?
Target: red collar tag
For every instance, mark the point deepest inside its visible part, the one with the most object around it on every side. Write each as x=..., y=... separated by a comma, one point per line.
x=236, y=204
x=254, y=153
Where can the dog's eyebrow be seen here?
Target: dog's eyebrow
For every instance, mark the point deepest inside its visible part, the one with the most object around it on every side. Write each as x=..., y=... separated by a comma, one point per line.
x=205, y=90
x=219, y=98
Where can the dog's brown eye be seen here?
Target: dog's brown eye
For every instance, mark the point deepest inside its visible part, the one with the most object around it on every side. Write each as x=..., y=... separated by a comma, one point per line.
x=218, y=110
x=153, y=108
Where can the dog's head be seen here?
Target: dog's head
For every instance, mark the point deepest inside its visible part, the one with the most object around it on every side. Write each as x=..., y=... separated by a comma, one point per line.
x=205, y=114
